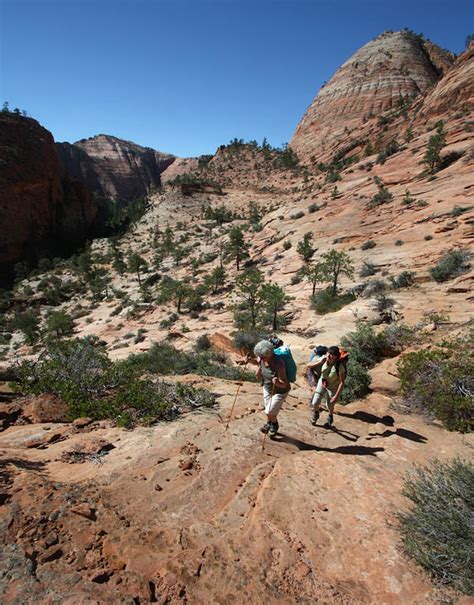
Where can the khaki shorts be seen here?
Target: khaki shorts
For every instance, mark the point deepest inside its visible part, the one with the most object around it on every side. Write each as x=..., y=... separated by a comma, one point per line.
x=274, y=402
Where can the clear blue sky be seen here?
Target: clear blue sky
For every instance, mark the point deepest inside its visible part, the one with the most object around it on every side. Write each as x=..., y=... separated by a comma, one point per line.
x=185, y=76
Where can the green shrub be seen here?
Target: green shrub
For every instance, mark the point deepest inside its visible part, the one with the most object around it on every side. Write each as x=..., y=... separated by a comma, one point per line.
x=368, y=245
x=374, y=287
x=325, y=301
x=366, y=347
x=203, y=343
x=438, y=530
x=399, y=242
x=82, y=375
x=165, y=359
x=357, y=384
x=382, y=197
x=451, y=265
x=313, y=208
x=297, y=215
x=440, y=384
x=245, y=340
x=404, y=280
x=295, y=279
x=383, y=303
x=428, y=238
x=286, y=245
x=368, y=269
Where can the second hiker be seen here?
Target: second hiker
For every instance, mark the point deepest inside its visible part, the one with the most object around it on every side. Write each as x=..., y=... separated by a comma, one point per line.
x=332, y=375
x=272, y=373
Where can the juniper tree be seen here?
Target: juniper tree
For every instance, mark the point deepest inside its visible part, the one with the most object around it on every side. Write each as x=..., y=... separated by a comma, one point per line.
x=334, y=264
x=237, y=247
x=432, y=155
x=137, y=263
x=274, y=300
x=305, y=247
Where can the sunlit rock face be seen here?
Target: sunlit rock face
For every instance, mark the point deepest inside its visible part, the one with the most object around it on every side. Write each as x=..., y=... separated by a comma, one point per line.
x=114, y=168
x=381, y=75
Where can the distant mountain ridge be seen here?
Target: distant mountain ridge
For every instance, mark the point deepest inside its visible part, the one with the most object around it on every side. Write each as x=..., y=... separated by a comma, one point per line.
x=113, y=168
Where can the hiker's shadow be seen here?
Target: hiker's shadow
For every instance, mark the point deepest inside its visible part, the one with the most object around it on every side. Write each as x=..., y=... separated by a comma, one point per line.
x=370, y=418
x=345, y=434
x=387, y=421
x=405, y=433
x=351, y=450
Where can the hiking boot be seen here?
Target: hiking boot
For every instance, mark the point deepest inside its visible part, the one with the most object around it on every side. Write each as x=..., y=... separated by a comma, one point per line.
x=314, y=418
x=330, y=420
x=265, y=428
x=273, y=430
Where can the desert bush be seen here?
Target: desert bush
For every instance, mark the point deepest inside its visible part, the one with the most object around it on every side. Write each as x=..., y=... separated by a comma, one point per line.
x=368, y=269
x=286, y=245
x=296, y=279
x=167, y=323
x=165, y=359
x=383, y=303
x=428, y=238
x=203, y=343
x=80, y=372
x=438, y=530
x=28, y=323
x=382, y=197
x=404, y=280
x=376, y=286
x=297, y=215
x=368, y=245
x=313, y=208
x=440, y=384
x=399, y=242
x=245, y=340
x=357, y=384
x=451, y=265
x=325, y=301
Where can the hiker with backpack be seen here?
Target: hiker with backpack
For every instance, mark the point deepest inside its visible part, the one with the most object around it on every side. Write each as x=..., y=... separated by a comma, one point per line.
x=276, y=385
x=332, y=375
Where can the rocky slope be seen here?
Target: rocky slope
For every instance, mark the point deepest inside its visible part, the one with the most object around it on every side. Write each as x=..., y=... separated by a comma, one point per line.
x=192, y=512
x=113, y=168
x=189, y=512
x=43, y=211
x=384, y=74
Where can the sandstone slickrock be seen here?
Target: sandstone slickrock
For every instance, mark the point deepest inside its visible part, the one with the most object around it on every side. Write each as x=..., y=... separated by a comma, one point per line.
x=395, y=66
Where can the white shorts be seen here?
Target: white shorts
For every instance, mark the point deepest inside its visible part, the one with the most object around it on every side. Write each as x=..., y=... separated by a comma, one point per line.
x=319, y=393
x=274, y=402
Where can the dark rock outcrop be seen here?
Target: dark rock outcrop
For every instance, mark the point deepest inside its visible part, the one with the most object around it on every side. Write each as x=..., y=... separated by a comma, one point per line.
x=113, y=168
x=42, y=210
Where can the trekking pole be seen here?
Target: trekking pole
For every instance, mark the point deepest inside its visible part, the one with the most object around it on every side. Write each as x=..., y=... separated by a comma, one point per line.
x=235, y=398
x=265, y=434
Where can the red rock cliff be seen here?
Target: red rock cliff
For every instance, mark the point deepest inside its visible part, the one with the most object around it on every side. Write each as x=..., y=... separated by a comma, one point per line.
x=42, y=210
x=114, y=168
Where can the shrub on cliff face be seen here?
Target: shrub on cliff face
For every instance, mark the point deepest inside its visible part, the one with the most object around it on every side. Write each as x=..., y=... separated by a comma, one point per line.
x=451, y=265
x=438, y=531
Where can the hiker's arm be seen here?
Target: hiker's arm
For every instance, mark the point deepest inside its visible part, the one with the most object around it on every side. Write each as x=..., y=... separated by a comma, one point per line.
x=316, y=362
x=258, y=372
x=342, y=379
x=280, y=379
x=246, y=360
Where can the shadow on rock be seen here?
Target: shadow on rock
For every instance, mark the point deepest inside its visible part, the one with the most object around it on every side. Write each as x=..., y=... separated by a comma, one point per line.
x=405, y=433
x=351, y=450
x=370, y=418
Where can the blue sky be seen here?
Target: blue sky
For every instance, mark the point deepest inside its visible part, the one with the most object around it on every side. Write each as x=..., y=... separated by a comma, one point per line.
x=185, y=76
